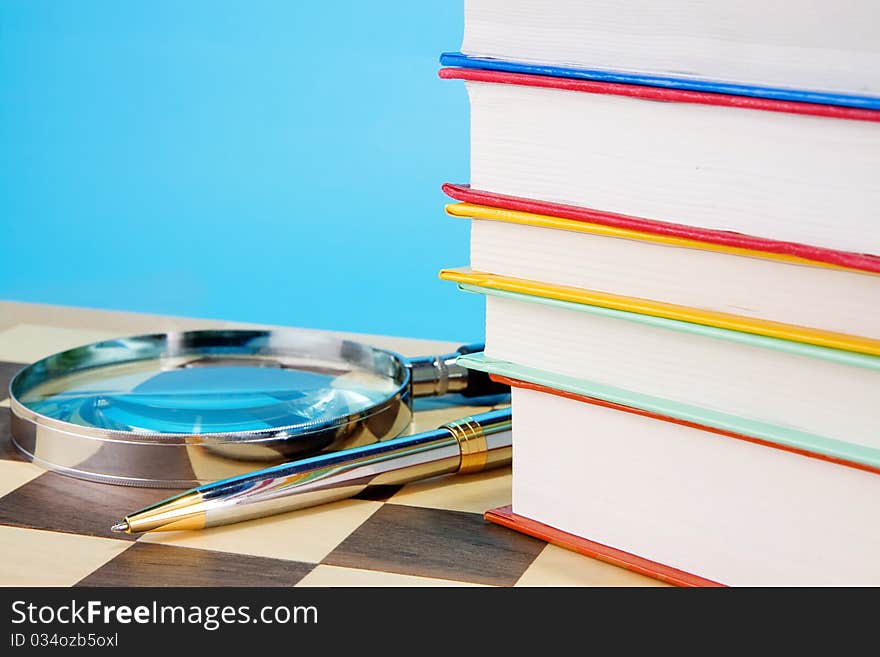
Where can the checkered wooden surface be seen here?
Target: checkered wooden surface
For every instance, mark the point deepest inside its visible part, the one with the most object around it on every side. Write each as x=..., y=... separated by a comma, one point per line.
x=54, y=530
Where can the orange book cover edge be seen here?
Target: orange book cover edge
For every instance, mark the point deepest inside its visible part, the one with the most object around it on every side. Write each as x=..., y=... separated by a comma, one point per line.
x=518, y=383
x=505, y=517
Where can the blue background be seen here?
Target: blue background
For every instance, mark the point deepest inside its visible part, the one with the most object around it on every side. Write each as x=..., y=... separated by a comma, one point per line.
x=275, y=162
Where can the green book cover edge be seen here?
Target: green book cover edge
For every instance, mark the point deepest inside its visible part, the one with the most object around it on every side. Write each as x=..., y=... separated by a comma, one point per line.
x=753, y=428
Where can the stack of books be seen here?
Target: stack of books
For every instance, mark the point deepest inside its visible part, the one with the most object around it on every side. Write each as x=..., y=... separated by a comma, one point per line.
x=674, y=223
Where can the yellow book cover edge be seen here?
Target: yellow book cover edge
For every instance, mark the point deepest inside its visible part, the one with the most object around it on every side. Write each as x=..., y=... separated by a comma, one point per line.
x=584, y=296
x=491, y=213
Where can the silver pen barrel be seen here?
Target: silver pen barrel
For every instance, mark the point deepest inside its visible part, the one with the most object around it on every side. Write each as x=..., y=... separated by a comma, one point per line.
x=469, y=445
x=326, y=479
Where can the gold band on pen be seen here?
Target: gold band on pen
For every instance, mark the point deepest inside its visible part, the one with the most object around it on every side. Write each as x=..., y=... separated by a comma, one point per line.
x=181, y=512
x=472, y=443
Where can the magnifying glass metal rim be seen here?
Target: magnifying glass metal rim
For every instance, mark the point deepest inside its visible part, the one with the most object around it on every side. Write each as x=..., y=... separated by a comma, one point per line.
x=47, y=440
x=83, y=358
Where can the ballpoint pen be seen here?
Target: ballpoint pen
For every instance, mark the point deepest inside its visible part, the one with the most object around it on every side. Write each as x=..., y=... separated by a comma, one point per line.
x=471, y=444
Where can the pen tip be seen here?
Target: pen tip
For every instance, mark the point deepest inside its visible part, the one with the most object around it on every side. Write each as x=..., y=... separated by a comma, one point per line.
x=120, y=527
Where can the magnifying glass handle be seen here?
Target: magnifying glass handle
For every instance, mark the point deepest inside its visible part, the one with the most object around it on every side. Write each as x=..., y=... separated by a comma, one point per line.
x=440, y=375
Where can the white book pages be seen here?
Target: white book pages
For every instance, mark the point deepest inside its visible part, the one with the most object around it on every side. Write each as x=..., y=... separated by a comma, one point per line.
x=725, y=509
x=822, y=397
x=798, y=44
x=818, y=297
x=808, y=179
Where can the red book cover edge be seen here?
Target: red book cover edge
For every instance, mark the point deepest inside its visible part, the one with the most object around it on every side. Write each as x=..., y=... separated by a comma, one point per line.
x=859, y=261
x=660, y=93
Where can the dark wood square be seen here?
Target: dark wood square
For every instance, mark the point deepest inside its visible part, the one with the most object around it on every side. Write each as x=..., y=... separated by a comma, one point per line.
x=437, y=543
x=8, y=452
x=7, y=371
x=149, y=564
x=7, y=449
x=56, y=502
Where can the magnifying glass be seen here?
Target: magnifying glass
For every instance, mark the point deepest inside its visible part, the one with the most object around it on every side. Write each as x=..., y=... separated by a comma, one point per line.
x=175, y=410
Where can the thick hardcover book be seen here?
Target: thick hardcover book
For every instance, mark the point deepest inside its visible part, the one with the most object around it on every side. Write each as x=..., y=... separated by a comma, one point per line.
x=787, y=177
x=756, y=286
x=792, y=394
x=683, y=502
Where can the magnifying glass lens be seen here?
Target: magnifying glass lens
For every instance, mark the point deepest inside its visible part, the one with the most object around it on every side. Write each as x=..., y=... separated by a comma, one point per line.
x=181, y=408
x=207, y=396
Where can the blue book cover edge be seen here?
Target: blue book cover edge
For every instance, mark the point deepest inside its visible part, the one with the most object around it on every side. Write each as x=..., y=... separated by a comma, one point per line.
x=461, y=60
